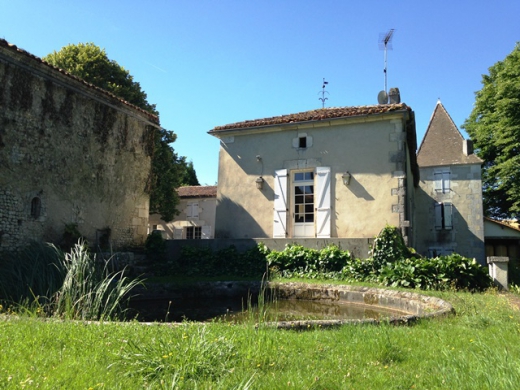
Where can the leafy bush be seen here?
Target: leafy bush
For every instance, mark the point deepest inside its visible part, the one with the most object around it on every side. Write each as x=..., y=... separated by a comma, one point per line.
x=306, y=261
x=389, y=247
x=439, y=273
x=194, y=261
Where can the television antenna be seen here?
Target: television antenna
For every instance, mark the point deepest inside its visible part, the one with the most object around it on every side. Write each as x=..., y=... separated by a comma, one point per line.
x=385, y=43
x=323, y=92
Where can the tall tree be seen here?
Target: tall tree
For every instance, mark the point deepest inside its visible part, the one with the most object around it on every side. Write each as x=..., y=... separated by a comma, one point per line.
x=91, y=63
x=494, y=126
x=189, y=176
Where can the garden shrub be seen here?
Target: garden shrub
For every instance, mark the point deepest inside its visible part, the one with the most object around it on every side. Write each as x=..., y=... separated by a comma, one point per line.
x=389, y=247
x=439, y=273
x=299, y=261
x=194, y=261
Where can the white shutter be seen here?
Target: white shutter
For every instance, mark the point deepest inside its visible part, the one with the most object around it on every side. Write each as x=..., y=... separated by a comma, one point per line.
x=323, y=210
x=177, y=234
x=206, y=232
x=438, y=216
x=280, y=204
x=195, y=210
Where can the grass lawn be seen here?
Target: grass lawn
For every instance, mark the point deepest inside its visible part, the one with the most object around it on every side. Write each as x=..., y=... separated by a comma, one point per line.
x=478, y=348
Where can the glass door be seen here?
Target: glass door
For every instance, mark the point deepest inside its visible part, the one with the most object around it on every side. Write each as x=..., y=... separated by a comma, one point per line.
x=303, y=204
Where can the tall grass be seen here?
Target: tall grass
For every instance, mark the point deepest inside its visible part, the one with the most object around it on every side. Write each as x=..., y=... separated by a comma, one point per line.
x=72, y=285
x=477, y=348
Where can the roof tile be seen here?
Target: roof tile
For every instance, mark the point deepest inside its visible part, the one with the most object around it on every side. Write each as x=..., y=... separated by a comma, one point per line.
x=197, y=191
x=314, y=115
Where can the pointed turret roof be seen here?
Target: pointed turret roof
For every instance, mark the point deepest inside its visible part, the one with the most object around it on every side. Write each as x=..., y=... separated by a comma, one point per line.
x=443, y=143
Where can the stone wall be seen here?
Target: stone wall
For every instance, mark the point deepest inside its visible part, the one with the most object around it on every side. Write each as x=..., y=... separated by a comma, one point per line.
x=465, y=194
x=71, y=156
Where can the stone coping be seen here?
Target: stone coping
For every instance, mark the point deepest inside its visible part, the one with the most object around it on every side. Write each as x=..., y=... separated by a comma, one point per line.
x=415, y=306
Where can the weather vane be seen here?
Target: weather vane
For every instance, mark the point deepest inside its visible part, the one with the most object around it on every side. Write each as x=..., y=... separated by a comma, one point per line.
x=323, y=92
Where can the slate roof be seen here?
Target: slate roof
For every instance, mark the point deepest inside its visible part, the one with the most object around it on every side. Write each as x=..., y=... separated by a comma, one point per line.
x=197, y=192
x=314, y=115
x=442, y=143
x=32, y=57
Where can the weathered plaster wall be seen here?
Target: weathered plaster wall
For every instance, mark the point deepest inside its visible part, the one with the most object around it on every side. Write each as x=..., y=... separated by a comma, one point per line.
x=467, y=235
x=83, y=155
x=206, y=217
x=372, y=149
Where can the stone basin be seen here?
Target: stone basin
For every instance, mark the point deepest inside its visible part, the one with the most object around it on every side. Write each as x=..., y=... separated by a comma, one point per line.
x=405, y=306
x=416, y=306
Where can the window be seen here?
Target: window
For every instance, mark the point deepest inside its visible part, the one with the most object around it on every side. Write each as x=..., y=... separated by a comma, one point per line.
x=193, y=233
x=443, y=216
x=442, y=181
x=36, y=207
x=192, y=210
x=302, y=141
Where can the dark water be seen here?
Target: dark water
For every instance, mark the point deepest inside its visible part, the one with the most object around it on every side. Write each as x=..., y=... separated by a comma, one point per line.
x=239, y=310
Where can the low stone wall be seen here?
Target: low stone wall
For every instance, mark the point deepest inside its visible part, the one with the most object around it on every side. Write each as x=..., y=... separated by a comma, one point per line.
x=418, y=306
x=413, y=306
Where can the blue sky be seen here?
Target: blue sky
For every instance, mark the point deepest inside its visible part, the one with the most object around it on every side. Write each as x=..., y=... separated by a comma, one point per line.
x=210, y=63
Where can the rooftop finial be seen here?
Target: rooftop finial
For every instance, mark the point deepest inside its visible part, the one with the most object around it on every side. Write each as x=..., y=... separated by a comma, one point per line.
x=323, y=92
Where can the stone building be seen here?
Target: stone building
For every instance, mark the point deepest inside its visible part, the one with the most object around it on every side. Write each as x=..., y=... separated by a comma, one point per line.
x=329, y=173
x=449, y=209
x=196, y=219
x=72, y=157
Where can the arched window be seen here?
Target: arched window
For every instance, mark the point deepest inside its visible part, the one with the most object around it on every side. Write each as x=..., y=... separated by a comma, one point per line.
x=36, y=207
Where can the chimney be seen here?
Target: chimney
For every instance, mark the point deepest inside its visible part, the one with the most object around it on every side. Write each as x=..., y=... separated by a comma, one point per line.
x=467, y=147
x=394, y=95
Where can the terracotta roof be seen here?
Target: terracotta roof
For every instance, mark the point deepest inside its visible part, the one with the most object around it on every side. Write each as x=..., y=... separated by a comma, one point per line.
x=315, y=115
x=507, y=223
x=197, y=192
x=14, y=48
x=442, y=143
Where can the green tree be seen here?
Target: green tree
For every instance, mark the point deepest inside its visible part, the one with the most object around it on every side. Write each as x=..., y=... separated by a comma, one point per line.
x=167, y=170
x=91, y=63
x=189, y=176
x=494, y=126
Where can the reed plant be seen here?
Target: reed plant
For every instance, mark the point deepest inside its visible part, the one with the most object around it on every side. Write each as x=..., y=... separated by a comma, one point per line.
x=44, y=280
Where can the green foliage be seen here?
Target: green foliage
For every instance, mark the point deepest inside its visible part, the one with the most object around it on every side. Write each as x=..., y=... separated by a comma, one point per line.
x=196, y=356
x=91, y=63
x=189, y=176
x=389, y=247
x=155, y=246
x=29, y=274
x=439, y=273
x=297, y=260
x=476, y=349
x=494, y=126
x=204, y=262
x=70, y=285
x=90, y=291
x=165, y=177
x=392, y=264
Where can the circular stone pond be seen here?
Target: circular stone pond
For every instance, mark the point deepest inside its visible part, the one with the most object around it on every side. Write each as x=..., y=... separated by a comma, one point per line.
x=283, y=305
